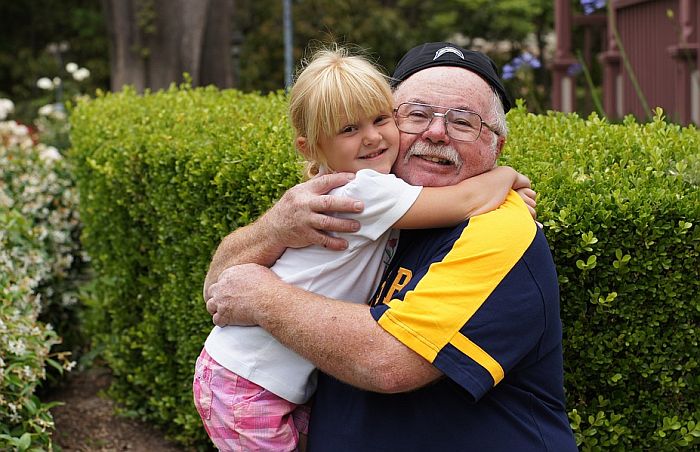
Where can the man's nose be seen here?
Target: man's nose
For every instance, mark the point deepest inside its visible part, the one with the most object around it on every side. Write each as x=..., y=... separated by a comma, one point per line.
x=437, y=131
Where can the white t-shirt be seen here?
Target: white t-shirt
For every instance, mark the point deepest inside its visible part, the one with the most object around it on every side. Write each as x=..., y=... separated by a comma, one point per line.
x=351, y=275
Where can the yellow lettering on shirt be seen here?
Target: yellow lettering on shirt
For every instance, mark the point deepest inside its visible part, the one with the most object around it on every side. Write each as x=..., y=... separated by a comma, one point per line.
x=375, y=301
x=403, y=277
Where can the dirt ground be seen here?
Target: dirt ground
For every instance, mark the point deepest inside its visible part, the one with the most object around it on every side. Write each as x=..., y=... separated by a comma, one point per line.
x=87, y=421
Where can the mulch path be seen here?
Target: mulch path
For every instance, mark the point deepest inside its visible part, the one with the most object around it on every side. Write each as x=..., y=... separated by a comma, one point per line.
x=87, y=422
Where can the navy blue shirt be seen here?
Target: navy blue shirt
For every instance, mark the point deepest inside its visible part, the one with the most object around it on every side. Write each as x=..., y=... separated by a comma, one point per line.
x=481, y=303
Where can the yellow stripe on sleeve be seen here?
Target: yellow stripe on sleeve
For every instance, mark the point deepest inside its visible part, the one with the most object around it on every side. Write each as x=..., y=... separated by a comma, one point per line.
x=455, y=288
x=482, y=358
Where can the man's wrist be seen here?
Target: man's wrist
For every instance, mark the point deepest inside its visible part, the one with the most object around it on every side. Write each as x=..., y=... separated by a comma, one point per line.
x=265, y=230
x=262, y=312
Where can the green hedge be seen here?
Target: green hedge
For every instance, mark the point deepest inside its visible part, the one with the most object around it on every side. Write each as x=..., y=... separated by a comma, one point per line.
x=621, y=207
x=164, y=176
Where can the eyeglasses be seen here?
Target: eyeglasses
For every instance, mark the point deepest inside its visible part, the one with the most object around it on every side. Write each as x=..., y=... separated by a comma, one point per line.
x=461, y=125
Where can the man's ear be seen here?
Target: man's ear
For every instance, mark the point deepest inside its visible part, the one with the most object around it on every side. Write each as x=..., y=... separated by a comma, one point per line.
x=499, y=145
x=302, y=145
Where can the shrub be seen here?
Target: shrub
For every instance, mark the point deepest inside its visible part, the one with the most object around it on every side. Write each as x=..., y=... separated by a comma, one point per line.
x=620, y=205
x=38, y=241
x=165, y=176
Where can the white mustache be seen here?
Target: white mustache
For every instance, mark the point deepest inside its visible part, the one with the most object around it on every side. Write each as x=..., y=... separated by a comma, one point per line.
x=441, y=151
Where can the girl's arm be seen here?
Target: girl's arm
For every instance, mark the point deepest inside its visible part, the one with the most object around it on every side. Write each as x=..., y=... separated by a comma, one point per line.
x=447, y=206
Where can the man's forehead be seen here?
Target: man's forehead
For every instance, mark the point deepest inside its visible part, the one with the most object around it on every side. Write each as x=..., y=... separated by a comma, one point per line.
x=460, y=85
x=441, y=73
x=466, y=104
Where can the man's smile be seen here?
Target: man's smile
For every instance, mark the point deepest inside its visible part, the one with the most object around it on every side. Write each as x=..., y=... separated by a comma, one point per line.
x=438, y=160
x=441, y=155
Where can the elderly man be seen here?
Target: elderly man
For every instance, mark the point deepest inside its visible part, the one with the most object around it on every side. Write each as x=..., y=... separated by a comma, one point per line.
x=460, y=348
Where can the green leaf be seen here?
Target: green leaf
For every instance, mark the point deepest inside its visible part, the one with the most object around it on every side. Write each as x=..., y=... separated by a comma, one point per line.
x=24, y=441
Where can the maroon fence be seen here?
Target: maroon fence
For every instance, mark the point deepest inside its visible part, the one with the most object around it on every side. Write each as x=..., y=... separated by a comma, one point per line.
x=655, y=66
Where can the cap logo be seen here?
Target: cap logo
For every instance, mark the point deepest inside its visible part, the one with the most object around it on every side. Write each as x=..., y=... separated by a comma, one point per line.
x=445, y=50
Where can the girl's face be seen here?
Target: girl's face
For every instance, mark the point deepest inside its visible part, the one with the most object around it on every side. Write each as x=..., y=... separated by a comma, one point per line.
x=370, y=143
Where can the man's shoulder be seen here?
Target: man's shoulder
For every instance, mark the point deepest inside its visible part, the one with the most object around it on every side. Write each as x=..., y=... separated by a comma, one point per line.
x=502, y=228
x=508, y=226
x=512, y=216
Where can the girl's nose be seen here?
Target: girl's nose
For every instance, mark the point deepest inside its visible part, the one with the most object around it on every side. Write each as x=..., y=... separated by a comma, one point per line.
x=372, y=136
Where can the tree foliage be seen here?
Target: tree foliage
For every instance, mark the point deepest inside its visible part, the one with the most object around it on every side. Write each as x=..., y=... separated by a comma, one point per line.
x=384, y=28
x=29, y=26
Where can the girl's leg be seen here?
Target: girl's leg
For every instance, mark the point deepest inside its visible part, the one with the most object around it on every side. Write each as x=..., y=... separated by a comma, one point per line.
x=240, y=415
x=300, y=416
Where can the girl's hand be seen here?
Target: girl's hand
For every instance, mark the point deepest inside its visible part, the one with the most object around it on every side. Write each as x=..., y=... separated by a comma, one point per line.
x=529, y=196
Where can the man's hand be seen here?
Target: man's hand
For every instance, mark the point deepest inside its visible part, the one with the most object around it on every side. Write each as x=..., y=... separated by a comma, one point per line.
x=234, y=296
x=299, y=218
x=320, y=329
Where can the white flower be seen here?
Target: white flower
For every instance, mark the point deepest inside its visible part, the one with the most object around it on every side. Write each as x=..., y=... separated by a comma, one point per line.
x=45, y=83
x=68, y=299
x=6, y=107
x=50, y=154
x=59, y=112
x=71, y=67
x=46, y=110
x=81, y=74
x=59, y=236
x=17, y=347
x=5, y=201
x=20, y=130
x=57, y=81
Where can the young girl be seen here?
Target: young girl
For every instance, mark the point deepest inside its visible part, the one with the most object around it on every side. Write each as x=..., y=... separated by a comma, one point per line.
x=249, y=389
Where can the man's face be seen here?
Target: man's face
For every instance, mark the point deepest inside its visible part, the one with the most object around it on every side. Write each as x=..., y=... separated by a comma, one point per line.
x=432, y=158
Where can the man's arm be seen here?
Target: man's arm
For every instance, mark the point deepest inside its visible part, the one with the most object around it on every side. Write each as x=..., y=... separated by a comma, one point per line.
x=340, y=338
x=297, y=220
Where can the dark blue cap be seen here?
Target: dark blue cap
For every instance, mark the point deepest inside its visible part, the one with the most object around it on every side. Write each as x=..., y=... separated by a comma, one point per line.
x=434, y=54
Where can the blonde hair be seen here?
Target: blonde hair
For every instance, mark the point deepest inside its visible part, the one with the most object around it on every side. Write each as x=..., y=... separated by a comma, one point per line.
x=332, y=86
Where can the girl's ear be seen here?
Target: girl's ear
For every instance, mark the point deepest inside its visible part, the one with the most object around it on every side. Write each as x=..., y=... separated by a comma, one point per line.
x=301, y=144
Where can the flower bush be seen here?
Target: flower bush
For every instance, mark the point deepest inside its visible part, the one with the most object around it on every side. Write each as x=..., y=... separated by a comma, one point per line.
x=40, y=260
x=519, y=74
x=52, y=121
x=591, y=6
x=526, y=59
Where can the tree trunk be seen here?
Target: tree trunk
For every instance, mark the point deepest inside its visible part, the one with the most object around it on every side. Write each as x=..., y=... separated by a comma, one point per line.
x=153, y=42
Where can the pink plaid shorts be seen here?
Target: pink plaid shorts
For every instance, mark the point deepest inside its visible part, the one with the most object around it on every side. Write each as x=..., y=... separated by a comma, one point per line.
x=239, y=415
